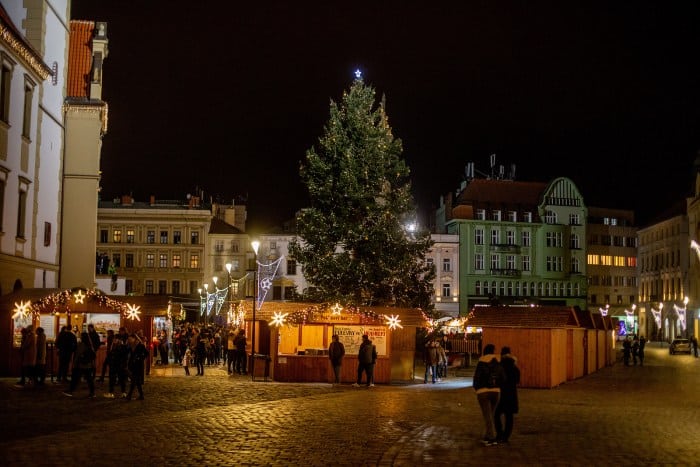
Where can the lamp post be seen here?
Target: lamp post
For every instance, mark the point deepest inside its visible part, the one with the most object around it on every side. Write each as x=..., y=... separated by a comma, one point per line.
x=228, y=288
x=215, y=302
x=206, y=303
x=255, y=244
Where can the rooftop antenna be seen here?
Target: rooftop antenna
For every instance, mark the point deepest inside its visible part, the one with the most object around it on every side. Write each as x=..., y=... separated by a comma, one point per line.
x=493, y=164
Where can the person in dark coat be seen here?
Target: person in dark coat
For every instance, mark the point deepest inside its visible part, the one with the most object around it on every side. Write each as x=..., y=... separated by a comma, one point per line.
x=66, y=343
x=508, y=402
x=135, y=363
x=336, y=352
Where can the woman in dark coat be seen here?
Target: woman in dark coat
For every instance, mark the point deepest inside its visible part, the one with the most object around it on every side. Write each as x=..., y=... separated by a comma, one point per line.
x=137, y=356
x=508, y=403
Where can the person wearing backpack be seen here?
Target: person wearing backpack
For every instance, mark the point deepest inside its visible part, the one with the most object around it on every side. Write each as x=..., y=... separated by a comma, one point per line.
x=488, y=378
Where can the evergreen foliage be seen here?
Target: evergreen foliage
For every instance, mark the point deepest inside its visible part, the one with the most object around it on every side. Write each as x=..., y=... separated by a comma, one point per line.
x=354, y=243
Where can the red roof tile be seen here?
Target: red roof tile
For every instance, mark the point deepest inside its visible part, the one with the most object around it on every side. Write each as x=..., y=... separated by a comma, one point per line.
x=499, y=194
x=80, y=58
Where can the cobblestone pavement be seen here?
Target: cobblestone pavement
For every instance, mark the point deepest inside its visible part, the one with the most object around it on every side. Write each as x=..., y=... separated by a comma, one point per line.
x=617, y=416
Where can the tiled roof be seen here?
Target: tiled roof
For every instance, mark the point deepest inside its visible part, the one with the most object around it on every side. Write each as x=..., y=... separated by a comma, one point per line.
x=80, y=58
x=502, y=193
x=524, y=317
x=220, y=227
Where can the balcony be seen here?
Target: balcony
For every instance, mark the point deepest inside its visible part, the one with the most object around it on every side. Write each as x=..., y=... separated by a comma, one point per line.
x=505, y=248
x=506, y=272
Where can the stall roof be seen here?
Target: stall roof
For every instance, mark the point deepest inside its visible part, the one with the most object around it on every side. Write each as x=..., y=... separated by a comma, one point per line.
x=524, y=317
x=585, y=318
x=408, y=316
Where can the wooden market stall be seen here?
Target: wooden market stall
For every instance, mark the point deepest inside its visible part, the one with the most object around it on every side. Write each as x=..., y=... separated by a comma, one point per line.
x=546, y=340
x=53, y=308
x=296, y=348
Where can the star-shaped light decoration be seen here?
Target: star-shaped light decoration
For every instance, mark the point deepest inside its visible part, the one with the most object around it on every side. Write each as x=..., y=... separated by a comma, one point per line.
x=278, y=318
x=266, y=283
x=393, y=321
x=337, y=309
x=132, y=312
x=21, y=310
x=358, y=74
x=79, y=297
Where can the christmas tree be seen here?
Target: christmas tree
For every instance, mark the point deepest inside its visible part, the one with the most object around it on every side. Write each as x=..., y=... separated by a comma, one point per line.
x=353, y=238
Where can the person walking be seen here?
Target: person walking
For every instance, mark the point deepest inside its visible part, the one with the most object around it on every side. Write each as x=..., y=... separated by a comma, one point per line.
x=431, y=361
x=366, y=359
x=336, y=352
x=640, y=351
x=83, y=365
x=635, y=350
x=186, y=361
x=28, y=352
x=240, y=343
x=694, y=344
x=230, y=351
x=66, y=343
x=106, y=362
x=508, y=401
x=137, y=356
x=488, y=378
x=626, y=351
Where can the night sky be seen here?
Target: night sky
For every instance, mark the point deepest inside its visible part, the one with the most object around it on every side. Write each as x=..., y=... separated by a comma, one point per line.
x=228, y=96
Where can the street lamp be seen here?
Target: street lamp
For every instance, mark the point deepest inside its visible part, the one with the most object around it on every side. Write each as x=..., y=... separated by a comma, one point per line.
x=228, y=288
x=255, y=244
x=206, y=303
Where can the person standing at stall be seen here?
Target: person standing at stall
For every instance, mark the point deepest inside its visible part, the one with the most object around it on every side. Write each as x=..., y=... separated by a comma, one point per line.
x=336, y=352
x=137, y=357
x=66, y=343
x=366, y=359
x=240, y=343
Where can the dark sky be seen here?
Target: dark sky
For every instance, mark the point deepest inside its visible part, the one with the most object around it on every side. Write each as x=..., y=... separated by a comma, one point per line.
x=228, y=96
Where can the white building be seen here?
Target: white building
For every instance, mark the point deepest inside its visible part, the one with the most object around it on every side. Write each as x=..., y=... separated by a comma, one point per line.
x=444, y=255
x=33, y=70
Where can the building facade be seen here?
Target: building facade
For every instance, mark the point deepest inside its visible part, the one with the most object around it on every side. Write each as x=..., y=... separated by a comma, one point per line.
x=520, y=242
x=663, y=260
x=693, y=212
x=157, y=247
x=444, y=256
x=611, y=256
x=33, y=67
x=286, y=274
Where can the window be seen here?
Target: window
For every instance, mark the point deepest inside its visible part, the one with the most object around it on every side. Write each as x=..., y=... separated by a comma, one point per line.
x=193, y=286
x=194, y=238
x=177, y=239
x=496, y=215
x=574, y=242
x=575, y=266
x=234, y=288
x=5, y=79
x=27, y=116
x=130, y=236
x=495, y=262
x=291, y=267
x=104, y=236
x=526, y=264
x=149, y=286
x=176, y=287
x=606, y=240
x=163, y=236
x=527, y=217
x=481, y=214
x=176, y=260
x=151, y=236
x=235, y=265
x=47, y=233
x=162, y=287
x=3, y=186
x=574, y=219
x=273, y=245
x=429, y=262
x=510, y=237
x=618, y=240
x=477, y=288
x=479, y=262
x=446, y=265
x=150, y=260
x=219, y=246
x=510, y=261
x=163, y=260
x=495, y=237
x=129, y=286
x=553, y=239
x=117, y=260
x=129, y=260
x=446, y=290
x=526, y=238
x=117, y=236
x=512, y=216
x=478, y=236
x=21, y=210
x=234, y=246
x=194, y=261
x=550, y=217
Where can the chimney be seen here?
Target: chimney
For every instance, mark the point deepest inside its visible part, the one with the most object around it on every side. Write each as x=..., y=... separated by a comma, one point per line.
x=127, y=200
x=153, y=200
